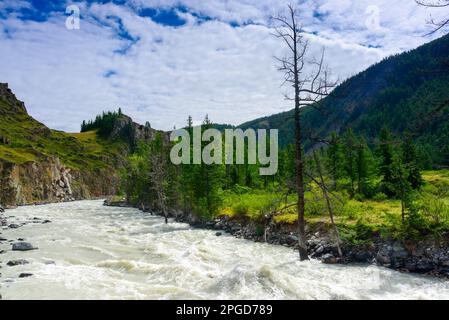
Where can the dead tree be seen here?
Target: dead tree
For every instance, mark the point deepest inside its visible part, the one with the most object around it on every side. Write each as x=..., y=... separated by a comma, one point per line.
x=436, y=24
x=309, y=88
x=158, y=174
x=323, y=188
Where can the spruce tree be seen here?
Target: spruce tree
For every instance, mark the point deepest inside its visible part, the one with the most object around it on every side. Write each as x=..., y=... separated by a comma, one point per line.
x=364, y=163
x=410, y=161
x=350, y=152
x=335, y=159
x=386, y=166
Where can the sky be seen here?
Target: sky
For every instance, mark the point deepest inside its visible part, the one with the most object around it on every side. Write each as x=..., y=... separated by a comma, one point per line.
x=163, y=60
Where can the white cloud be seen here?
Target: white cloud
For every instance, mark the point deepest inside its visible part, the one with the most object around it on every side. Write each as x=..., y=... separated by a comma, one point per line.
x=195, y=69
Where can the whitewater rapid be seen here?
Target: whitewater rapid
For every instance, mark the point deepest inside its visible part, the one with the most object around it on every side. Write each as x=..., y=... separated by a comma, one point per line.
x=90, y=251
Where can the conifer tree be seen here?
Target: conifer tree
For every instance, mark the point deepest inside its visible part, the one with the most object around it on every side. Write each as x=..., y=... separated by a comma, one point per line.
x=410, y=160
x=386, y=166
x=335, y=158
x=350, y=153
x=363, y=166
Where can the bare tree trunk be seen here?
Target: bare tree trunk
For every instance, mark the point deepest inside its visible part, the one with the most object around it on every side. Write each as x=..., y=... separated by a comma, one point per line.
x=302, y=240
x=157, y=174
x=328, y=203
x=309, y=88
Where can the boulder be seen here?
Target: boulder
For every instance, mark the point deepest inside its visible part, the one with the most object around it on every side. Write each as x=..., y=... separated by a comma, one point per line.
x=319, y=250
x=218, y=234
x=329, y=259
x=362, y=256
x=210, y=224
x=25, y=275
x=22, y=246
x=383, y=259
x=2, y=209
x=424, y=266
x=13, y=263
x=399, y=252
x=13, y=226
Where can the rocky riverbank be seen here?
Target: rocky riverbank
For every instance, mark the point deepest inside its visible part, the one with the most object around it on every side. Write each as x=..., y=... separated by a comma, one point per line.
x=430, y=256
x=19, y=244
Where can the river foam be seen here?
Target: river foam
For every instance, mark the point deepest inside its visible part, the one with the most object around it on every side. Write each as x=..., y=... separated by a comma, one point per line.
x=90, y=251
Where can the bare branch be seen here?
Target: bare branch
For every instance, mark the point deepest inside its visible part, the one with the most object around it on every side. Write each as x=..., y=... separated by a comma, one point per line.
x=438, y=25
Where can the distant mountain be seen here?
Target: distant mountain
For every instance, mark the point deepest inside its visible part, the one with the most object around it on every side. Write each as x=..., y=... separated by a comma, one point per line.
x=405, y=92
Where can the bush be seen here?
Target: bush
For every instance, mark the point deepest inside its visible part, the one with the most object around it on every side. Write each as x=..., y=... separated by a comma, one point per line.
x=238, y=189
x=241, y=209
x=434, y=208
x=380, y=196
x=260, y=230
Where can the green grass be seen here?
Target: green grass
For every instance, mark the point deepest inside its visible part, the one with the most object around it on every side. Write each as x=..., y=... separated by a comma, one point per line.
x=358, y=220
x=18, y=155
x=30, y=140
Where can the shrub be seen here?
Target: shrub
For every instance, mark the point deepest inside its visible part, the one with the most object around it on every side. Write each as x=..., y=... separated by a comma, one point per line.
x=260, y=230
x=238, y=189
x=434, y=208
x=241, y=208
x=380, y=196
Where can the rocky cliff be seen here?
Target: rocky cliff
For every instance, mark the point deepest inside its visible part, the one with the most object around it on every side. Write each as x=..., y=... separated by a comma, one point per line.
x=39, y=165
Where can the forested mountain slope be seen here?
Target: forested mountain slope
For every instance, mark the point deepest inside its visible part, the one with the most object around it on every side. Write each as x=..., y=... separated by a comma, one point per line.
x=408, y=92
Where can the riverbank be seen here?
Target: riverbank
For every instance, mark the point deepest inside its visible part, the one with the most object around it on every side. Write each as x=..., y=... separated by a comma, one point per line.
x=427, y=256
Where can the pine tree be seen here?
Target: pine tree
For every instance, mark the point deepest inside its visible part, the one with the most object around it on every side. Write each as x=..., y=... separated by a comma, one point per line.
x=188, y=174
x=363, y=166
x=386, y=166
x=400, y=184
x=410, y=160
x=207, y=183
x=335, y=158
x=350, y=152
x=189, y=122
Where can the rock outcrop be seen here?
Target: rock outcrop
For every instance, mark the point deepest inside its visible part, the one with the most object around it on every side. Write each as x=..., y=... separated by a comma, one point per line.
x=14, y=105
x=32, y=169
x=47, y=180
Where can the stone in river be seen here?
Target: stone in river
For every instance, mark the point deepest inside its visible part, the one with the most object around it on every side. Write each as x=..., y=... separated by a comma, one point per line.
x=24, y=275
x=22, y=246
x=13, y=226
x=13, y=263
x=218, y=234
x=329, y=259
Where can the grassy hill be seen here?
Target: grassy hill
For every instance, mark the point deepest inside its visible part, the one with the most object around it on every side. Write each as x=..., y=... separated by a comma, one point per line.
x=38, y=164
x=29, y=140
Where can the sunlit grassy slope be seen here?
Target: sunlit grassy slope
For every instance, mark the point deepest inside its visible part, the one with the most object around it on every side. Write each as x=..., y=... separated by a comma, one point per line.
x=30, y=140
x=374, y=215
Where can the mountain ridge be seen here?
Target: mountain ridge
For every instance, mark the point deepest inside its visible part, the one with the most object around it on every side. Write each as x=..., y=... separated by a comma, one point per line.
x=399, y=92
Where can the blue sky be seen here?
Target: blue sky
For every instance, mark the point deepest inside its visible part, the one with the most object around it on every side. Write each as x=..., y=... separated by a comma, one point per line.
x=162, y=60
